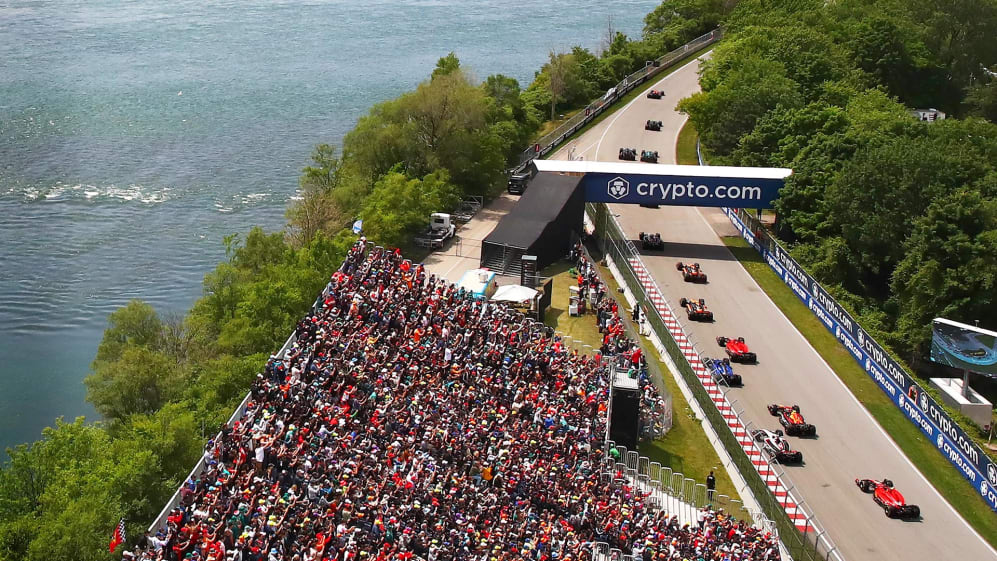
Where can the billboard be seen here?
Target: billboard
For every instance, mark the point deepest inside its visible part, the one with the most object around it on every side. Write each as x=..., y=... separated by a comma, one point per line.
x=963, y=346
x=681, y=190
x=916, y=404
x=665, y=184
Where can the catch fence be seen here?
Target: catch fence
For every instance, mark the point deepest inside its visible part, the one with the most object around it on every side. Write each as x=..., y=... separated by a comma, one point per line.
x=798, y=528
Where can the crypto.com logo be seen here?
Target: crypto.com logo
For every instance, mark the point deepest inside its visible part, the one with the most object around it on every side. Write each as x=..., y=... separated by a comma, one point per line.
x=618, y=188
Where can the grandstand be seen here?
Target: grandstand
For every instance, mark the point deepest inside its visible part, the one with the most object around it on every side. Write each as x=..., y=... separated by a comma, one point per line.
x=407, y=420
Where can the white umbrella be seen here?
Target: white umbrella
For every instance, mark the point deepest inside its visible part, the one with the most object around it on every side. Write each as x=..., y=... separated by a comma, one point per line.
x=514, y=293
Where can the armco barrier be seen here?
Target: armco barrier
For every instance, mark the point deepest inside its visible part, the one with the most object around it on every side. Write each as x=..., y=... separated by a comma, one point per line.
x=919, y=407
x=552, y=139
x=800, y=531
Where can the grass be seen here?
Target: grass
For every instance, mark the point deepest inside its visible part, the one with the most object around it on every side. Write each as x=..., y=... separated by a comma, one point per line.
x=685, y=448
x=632, y=94
x=549, y=126
x=685, y=148
x=956, y=490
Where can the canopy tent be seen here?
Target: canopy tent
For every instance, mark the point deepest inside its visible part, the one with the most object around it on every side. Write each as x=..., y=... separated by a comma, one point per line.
x=514, y=293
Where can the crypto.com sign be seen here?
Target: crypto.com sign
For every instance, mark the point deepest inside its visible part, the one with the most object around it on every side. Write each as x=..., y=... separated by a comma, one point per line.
x=659, y=184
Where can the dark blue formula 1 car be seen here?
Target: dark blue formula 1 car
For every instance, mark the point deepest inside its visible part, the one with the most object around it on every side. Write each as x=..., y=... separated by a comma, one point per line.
x=722, y=371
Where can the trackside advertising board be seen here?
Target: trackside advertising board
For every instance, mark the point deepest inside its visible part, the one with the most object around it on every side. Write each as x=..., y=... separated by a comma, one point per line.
x=919, y=407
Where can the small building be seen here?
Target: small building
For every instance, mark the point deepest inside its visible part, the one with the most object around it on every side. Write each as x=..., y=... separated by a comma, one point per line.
x=928, y=114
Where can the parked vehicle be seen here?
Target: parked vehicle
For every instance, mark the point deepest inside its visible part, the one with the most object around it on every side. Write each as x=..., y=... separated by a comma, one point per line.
x=440, y=229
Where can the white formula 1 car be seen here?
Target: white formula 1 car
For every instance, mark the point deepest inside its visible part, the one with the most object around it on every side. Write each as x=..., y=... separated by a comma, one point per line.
x=776, y=447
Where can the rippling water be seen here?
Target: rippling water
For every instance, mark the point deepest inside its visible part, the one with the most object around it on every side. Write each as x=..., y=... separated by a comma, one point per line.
x=134, y=136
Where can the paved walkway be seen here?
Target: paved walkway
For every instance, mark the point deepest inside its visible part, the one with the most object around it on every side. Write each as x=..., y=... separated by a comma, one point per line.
x=463, y=253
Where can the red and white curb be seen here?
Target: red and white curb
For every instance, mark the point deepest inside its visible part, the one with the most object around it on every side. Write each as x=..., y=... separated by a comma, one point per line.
x=762, y=465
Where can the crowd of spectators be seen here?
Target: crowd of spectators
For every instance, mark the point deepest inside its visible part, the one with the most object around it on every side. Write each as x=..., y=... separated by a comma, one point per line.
x=615, y=342
x=412, y=422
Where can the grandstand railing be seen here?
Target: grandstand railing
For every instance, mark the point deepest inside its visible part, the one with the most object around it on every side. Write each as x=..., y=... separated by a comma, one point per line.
x=564, y=131
x=160, y=521
x=655, y=480
x=812, y=542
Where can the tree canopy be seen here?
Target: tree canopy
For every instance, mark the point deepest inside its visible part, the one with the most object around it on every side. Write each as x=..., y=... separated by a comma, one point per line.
x=893, y=214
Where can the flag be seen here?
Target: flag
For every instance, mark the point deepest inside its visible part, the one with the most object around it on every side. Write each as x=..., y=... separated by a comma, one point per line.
x=119, y=535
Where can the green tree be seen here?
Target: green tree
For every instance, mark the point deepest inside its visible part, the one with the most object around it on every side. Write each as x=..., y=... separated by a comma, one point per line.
x=981, y=101
x=731, y=110
x=135, y=324
x=139, y=380
x=949, y=266
x=558, y=69
x=400, y=205
x=446, y=65
x=317, y=210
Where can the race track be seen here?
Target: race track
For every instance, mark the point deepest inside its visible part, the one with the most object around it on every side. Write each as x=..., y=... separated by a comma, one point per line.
x=850, y=444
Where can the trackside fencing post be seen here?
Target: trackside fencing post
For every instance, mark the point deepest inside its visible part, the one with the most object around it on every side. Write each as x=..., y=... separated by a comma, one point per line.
x=798, y=528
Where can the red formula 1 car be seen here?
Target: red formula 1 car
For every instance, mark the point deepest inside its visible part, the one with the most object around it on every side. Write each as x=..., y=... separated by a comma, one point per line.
x=691, y=272
x=696, y=309
x=792, y=420
x=889, y=498
x=655, y=94
x=737, y=349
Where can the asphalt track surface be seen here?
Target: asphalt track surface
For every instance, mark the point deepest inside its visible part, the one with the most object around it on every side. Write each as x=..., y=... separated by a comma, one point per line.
x=850, y=444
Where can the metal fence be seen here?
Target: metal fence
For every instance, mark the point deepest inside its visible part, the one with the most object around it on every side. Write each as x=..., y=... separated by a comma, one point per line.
x=552, y=139
x=666, y=490
x=160, y=521
x=810, y=542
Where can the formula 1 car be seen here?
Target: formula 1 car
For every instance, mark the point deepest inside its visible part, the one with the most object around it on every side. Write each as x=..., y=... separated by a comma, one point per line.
x=722, y=371
x=792, y=420
x=651, y=241
x=628, y=154
x=652, y=125
x=889, y=498
x=776, y=447
x=696, y=309
x=691, y=272
x=737, y=349
x=655, y=94
x=649, y=156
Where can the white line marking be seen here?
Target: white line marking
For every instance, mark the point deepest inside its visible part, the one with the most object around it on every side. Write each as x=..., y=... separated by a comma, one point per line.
x=849, y=392
x=634, y=100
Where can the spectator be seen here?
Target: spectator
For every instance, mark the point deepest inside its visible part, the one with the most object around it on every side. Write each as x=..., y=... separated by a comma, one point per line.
x=372, y=442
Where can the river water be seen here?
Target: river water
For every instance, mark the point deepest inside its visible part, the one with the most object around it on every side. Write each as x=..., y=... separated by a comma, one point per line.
x=135, y=135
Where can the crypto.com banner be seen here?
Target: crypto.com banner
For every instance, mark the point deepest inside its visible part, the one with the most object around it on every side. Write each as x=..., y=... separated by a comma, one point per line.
x=919, y=407
x=681, y=190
